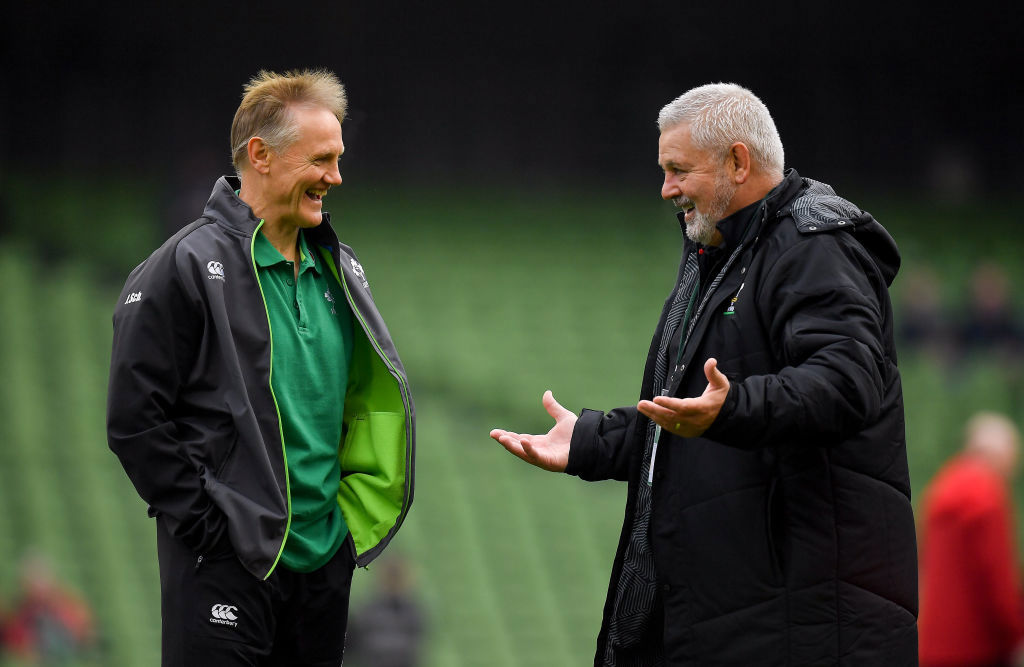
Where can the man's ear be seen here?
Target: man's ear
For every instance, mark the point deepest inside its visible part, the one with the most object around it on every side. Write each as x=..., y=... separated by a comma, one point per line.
x=259, y=155
x=738, y=162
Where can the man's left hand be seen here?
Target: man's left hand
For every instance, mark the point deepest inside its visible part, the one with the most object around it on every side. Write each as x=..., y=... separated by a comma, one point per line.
x=690, y=417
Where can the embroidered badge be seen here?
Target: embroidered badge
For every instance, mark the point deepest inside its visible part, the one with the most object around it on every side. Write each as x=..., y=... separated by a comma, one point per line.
x=357, y=269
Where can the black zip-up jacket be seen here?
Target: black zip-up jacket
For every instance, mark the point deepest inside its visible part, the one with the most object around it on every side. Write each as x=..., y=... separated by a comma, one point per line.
x=193, y=418
x=784, y=535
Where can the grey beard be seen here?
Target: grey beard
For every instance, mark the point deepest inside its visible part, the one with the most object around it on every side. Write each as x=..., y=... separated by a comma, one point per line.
x=704, y=225
x=702, y=229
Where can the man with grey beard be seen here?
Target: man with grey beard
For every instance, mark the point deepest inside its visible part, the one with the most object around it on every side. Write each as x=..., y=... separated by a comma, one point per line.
x=768, y=517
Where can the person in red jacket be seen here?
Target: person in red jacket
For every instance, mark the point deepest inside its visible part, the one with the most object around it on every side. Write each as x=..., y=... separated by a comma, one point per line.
x=49, y=624
x=970, y=587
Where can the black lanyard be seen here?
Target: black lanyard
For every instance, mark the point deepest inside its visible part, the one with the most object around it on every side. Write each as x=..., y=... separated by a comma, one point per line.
x=679, y=334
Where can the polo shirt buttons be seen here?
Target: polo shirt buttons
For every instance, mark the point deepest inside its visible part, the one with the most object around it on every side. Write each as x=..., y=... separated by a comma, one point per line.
x=290, y=282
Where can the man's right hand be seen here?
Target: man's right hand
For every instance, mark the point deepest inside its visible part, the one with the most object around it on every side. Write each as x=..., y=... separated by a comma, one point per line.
x=550, y=451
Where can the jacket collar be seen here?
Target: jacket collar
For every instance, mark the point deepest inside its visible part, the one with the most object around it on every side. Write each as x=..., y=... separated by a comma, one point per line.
x=769, y=208
x=737, y=228
x=733, y=226
x=227, y=208
x=783, y=193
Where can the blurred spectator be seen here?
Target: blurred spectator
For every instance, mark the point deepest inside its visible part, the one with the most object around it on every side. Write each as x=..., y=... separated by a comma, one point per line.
x=48, y=624
x=388, y=630
x=923, y=324
x=970, y=588
x=990, y=323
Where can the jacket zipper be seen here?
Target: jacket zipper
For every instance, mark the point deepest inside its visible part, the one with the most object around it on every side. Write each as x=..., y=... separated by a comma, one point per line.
x=677, y=371
x=277, y=409
x=713, y=287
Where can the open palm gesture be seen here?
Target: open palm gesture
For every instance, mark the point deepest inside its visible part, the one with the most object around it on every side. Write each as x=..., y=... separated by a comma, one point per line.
x=549, y=451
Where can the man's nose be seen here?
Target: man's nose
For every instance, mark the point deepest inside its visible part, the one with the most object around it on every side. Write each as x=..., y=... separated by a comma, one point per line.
x=333, y=175
x=670, y=188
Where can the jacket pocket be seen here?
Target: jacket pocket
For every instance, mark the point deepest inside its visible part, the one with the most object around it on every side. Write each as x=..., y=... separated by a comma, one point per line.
x=222, y=461
x=375, y=445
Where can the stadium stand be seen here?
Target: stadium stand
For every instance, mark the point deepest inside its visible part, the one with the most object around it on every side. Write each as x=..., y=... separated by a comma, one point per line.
x=489, y=307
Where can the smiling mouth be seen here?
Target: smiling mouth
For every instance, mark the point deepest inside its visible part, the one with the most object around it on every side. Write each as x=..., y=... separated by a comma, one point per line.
x=316, y=195
x=685, y=205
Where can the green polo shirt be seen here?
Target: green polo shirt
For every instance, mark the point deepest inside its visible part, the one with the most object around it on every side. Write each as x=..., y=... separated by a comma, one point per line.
x=311, y=332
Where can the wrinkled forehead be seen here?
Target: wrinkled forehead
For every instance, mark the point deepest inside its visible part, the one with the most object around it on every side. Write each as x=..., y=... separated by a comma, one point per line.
x=317, y=125
x=676, y=146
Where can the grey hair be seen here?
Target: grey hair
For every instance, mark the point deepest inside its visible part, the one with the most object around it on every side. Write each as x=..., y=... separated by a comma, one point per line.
x=278, y=135
x=720, y=114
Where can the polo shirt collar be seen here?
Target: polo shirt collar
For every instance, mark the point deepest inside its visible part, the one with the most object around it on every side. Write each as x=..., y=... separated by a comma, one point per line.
x=266, y=254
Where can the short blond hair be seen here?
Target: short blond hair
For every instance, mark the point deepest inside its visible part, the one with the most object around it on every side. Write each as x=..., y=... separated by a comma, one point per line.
x=266, y=103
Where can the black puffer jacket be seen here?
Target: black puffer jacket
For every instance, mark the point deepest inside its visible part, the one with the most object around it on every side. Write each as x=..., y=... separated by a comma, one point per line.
x=784, y=535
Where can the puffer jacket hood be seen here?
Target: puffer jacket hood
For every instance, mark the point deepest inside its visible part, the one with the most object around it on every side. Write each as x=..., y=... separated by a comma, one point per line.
x=819, y=208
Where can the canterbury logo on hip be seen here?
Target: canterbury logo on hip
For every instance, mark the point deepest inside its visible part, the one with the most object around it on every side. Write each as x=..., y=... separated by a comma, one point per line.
x=224, y=614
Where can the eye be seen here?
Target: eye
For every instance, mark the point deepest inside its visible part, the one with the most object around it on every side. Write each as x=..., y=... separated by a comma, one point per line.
x=321, y=159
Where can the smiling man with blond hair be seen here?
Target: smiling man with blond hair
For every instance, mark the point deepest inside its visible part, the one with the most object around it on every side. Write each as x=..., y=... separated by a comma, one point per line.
x=256, y=399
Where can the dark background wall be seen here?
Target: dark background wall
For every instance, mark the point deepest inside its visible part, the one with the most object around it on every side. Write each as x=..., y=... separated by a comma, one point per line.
x=906, y=97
